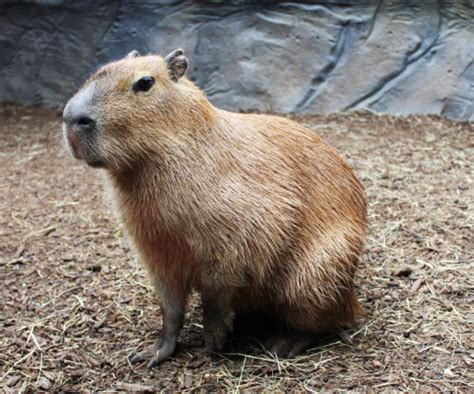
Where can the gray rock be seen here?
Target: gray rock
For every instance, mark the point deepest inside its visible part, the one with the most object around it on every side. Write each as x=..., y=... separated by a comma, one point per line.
x=390, y=56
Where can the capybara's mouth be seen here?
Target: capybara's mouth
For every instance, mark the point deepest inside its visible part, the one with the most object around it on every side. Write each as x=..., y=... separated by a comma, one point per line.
x=76, y=152
x=97, y=163
x=74, y=143
x=80, y=150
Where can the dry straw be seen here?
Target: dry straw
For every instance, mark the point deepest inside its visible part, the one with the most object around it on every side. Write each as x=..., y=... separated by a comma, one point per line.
x=75, y=304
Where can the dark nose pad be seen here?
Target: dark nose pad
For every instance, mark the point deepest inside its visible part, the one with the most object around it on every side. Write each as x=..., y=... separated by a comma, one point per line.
x=85, y=123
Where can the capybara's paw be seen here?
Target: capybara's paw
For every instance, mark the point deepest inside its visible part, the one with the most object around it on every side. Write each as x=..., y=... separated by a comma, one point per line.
x=288, y=346
x=145, y=354
x=344, y=336
x=215, y=338
x=154, y=354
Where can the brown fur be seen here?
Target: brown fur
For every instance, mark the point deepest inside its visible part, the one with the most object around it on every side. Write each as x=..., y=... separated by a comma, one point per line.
x=255, y=207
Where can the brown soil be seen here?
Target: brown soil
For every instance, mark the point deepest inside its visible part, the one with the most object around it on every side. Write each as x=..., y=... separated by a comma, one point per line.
x=75, y=303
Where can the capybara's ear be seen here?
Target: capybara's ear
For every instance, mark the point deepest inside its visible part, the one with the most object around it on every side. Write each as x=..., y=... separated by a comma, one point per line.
x=133, y=53
x=177, y=64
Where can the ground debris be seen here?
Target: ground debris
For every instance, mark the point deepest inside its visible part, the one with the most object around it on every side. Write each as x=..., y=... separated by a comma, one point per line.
x=135, y=387
x=75, y=304
x=44, y=384
x=416, y=285
x=12, y=381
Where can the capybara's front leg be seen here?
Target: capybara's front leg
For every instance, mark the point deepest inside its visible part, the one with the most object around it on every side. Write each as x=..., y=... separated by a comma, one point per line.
x=218, y=318
x=172, y=305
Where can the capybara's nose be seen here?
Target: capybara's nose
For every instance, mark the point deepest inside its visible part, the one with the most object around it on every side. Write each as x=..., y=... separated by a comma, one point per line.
x=85, y=123
x=78, y=112
x=80, y=123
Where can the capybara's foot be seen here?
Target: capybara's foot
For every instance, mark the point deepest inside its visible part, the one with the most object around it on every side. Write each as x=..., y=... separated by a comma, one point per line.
x=154, y=354
x=289, y=345
x=344, y=336
x=215, y=336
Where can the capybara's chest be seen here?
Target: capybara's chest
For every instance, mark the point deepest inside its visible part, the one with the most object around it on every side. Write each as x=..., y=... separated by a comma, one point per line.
x=162, y=249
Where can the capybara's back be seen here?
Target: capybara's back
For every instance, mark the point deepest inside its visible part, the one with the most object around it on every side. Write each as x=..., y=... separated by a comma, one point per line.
x=296, y=214
x=255, y=212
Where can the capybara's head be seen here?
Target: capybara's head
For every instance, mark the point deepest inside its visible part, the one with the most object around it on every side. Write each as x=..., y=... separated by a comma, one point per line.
x=112, y=120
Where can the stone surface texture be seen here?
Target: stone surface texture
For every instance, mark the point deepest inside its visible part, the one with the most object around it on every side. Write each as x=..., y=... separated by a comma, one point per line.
x=389, y=56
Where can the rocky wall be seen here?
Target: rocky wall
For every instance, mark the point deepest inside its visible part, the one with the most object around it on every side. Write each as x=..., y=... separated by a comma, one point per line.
x=389, y=56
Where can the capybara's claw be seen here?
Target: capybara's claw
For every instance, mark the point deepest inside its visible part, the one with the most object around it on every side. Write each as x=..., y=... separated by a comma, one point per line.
x=158, y=358
x=344, y=336
x=289, y=346
x=154, y=354
x=144, y=355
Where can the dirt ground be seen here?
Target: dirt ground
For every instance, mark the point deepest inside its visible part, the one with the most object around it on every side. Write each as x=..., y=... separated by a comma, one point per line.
x=75, y=303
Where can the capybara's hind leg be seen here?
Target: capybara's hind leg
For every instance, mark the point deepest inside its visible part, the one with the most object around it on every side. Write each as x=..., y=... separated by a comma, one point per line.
x=293, y=344
x=304, y=327
x=290, y=344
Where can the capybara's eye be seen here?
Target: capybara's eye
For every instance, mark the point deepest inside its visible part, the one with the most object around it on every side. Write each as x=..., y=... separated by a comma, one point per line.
x=144, y=84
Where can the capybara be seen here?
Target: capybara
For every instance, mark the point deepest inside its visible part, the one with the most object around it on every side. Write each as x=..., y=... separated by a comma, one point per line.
x=254, y=212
